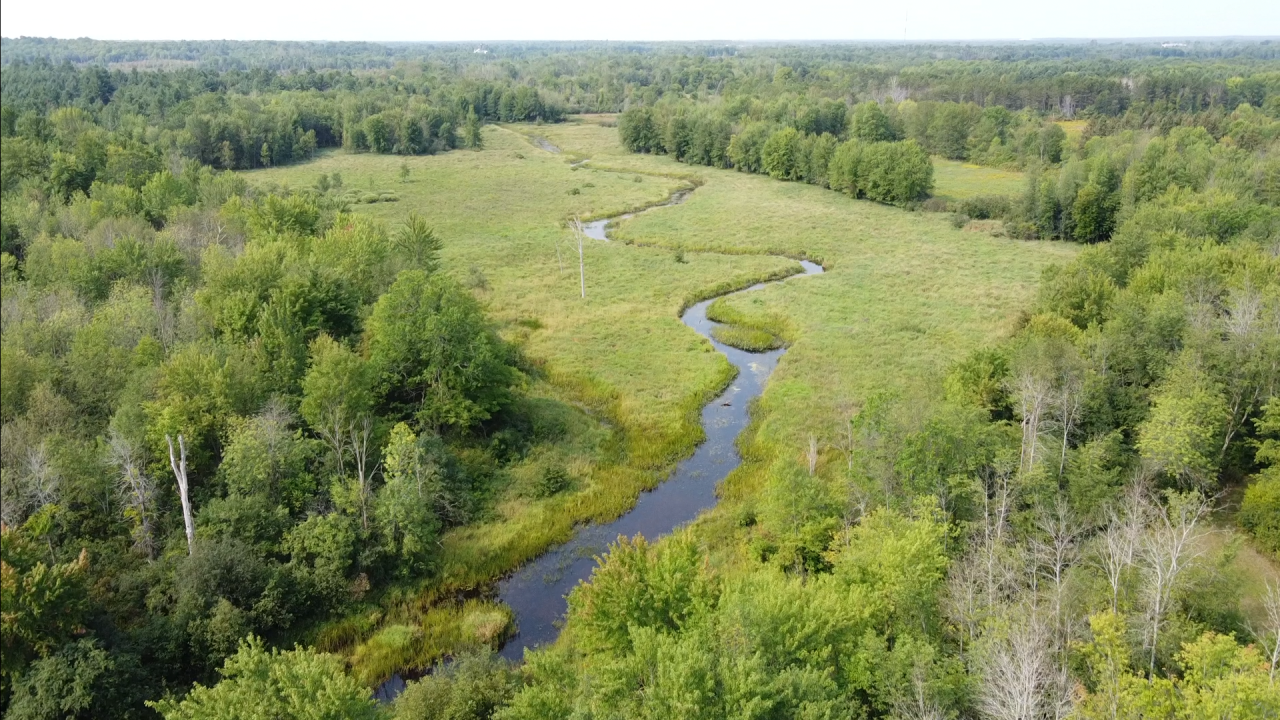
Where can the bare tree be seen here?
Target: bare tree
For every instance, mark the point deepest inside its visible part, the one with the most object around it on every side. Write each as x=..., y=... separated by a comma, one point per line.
x=1067, y=402
x=179, y=465
x=1170, y=545
x=963, y=602
x=1019, y=678
x=1268, y=635
x=847, y=442
x=43, y=479
x=1033, y=393
x=135, y=489
x=360, y=433
x=1251, y=358
x=918, y=705
x=1056, y=551
x=1114, y=550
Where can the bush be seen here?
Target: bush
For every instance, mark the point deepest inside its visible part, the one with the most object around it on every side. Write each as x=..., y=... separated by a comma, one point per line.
x=553, y=481
x=1260, y=511
x=959, y=220
x=472, y=687
x=986, y=207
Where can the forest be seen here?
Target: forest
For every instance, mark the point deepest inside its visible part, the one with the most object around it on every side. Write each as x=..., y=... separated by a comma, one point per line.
x=305, y=351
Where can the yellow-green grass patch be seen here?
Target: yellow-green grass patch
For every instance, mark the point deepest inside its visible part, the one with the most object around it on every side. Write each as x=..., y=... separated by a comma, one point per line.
x=905, y=295
x=954, y=180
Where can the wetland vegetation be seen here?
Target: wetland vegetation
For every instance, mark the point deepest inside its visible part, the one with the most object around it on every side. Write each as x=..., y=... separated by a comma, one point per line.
x=305, y=361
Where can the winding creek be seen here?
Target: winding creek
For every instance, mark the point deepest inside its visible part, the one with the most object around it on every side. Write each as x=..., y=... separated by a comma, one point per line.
x=537, y=591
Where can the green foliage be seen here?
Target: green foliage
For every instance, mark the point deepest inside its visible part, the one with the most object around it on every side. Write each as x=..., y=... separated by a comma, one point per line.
x=437, y=360
x=403, y=506
x=1260, y=509
x=662, y=588
x=43, y=603
x=871, y=124
x=147, y=295
x=471, y=687
x=780, y=155
x=1220, y=679
x=1181, y=436
x=81, y=680
x=293, y=684
x=979, y=380
x=553, y=481
x=900, y=560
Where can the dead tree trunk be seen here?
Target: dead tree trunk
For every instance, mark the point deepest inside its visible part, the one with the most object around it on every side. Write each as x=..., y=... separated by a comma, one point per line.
x=580, y=234
x=179, y=466
x=361, y=433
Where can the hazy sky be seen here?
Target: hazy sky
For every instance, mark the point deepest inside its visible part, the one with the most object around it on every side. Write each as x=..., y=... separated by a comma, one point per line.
x=642, y=20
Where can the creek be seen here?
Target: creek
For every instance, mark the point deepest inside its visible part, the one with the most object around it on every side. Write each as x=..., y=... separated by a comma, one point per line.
x=537, y=591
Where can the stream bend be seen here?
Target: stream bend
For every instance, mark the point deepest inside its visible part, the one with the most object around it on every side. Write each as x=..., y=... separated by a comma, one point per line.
x=537, y=591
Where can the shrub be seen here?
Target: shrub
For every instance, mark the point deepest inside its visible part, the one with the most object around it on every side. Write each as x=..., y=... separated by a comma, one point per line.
x=986, y=207
x=553, y=481
x=1260, y=511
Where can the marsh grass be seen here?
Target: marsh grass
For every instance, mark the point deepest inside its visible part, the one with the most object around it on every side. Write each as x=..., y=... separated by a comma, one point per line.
x=745, y=338
x=439, y=631
x=627, y=378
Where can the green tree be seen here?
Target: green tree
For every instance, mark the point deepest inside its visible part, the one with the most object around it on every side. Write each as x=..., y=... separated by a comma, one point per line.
x=1182, y=434
x=1097, y=203
x=436, y=357
x=639, y=586
x=638, y=130
x=471, y=687
x=258, y=684
x=871, y=124
x=780, y=156
x=746, y=146
x=81, y=681
x=900, y=560
x=403, y=507
x=418, y=244
x=471, y=130
x=337, y=393
x=43, y=603
x=1260, y=509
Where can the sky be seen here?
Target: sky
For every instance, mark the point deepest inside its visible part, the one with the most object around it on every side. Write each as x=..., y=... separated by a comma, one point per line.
x=472, y=20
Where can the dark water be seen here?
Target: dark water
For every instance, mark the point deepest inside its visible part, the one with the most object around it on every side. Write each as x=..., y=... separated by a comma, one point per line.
x=598, y=229
x=537, y=591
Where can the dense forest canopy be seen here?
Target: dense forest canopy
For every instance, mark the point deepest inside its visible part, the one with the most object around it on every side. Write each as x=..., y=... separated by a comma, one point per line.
x=239, y=418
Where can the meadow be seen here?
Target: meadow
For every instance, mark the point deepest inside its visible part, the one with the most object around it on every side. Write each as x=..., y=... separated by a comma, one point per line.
x=905, y=295
x=957, y=180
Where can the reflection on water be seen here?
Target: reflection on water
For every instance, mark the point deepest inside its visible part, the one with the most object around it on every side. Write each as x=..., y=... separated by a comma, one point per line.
x=537, y=591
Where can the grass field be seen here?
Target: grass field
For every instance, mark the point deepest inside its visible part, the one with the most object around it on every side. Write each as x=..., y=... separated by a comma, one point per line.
x=905, y=294
x=955, y=180
x=1074, y=129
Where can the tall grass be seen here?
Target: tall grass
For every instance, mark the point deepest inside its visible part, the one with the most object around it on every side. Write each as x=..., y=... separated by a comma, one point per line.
x=636, y=378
